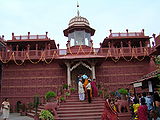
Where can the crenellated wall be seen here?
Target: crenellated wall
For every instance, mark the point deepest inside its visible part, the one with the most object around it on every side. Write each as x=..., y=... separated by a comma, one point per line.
x=120, y=74
x=21, y=83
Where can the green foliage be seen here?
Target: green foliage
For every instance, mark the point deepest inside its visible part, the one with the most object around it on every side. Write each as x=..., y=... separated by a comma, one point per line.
x=67, y=94
x=100, y=92
x=45, y=114
x=123, y=91
x=112, y=93
x=49, y=95
x=65, y=86
x=157, y=60
x=62, y=98
x=72, y=89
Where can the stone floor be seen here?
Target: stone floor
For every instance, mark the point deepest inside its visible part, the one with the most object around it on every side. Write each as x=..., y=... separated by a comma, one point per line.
x=16, y=116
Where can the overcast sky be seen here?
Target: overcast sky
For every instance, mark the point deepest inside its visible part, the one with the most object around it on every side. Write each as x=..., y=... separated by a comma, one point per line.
x=39, y=16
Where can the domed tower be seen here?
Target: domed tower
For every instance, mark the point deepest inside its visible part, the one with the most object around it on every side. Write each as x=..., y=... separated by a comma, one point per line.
x=79, y=32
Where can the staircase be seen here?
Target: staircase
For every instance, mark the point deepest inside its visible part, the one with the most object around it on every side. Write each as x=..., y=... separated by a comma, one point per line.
x=73, y=109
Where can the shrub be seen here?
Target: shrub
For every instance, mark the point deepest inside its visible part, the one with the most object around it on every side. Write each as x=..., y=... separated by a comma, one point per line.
x=100, y=92
x=49, y=95
x=72, y=89
x=65, y=86
x=123, y=91
x=112, y=93
x=45, y=114
x=67, y=94
x=62, y=98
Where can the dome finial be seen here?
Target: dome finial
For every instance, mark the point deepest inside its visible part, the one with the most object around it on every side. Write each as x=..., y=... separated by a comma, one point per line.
x=77, y=8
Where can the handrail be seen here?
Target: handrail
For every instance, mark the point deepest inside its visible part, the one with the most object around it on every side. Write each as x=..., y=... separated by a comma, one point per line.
x=130, y=34
x=25, y=37
x=47, y=56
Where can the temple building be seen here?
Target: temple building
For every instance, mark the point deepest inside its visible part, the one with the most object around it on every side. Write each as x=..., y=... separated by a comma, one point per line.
x=35, y=64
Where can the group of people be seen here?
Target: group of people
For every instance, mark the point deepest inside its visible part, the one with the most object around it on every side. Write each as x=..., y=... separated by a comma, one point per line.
x=86, y=88
x=5, y=108
x=146, y=106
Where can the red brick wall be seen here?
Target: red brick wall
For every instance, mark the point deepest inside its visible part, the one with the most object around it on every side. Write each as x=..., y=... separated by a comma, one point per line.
x=21, y=83
x=120, y=74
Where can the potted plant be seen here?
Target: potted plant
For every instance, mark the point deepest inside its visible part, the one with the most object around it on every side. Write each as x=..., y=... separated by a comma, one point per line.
x=49, y=95
x=65, y=86
x=72, y=90
x=67, y=94
x=100, y=92
x=62, y=99
x=46, y=115
x=123, y=93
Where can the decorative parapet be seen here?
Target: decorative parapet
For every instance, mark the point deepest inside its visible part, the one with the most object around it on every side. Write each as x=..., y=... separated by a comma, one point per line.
x=29, y=37
x=127, y=34
x=127, y=53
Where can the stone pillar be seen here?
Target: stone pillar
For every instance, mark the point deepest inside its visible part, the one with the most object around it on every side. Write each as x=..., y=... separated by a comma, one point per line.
x=68, y=73
x=93, y=71
x=150, y=86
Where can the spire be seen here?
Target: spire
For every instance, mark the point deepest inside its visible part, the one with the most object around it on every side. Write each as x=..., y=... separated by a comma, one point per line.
x=77, y=8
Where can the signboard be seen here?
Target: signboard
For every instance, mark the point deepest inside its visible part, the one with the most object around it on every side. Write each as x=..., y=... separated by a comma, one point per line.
x=137, y=84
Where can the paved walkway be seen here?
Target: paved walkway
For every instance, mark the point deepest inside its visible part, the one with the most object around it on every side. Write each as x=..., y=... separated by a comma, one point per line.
x=16, y=116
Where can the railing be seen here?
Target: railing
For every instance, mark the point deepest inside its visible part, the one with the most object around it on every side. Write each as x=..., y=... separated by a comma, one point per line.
x=125, y=51
x=54, y=53
x=26, y=37
x=131, y=34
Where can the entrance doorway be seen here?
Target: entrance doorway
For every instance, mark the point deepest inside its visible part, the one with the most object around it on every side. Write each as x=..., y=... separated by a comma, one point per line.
x=77, y=71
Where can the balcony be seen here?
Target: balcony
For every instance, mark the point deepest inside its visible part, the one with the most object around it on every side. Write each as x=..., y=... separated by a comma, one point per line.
x=30, y=37
x=130, y=34
x=55, y=53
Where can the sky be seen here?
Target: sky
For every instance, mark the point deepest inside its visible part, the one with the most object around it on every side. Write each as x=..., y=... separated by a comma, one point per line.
x=53, y=16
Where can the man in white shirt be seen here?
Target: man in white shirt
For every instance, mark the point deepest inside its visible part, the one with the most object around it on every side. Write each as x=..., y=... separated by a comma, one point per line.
x=81, y=90
x=89, y=90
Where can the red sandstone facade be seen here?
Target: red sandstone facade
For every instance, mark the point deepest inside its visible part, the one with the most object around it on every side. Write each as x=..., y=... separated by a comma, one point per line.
x=34, y=64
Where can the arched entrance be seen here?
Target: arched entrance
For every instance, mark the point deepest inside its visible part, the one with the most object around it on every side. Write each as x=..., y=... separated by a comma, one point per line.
x=77, y=67
x=80, y=69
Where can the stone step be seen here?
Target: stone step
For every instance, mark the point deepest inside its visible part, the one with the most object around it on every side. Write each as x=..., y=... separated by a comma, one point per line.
x=82, y=102
x=80, y=108
x=80, y=114
x=77, y=99
x=82, y=105
x=81, y=118
x=80, y=111
x=30, y=114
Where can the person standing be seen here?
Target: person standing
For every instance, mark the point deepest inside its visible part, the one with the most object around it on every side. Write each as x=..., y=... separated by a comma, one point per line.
x=81, y=90
x=135, y=107
x=5, y=109
x=149, y=103
x=88, y=87
x=143, y=110
x=94, y=88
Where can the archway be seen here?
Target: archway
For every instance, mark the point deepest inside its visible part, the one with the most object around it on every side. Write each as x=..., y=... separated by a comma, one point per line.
x=80, y=69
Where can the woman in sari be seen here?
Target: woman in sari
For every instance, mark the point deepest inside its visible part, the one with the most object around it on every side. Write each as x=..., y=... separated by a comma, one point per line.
x=5, y=109
x=143, y=110
x=94, y=88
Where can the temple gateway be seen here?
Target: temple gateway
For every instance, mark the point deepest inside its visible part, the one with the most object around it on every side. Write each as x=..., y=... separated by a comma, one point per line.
x=35, y=64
